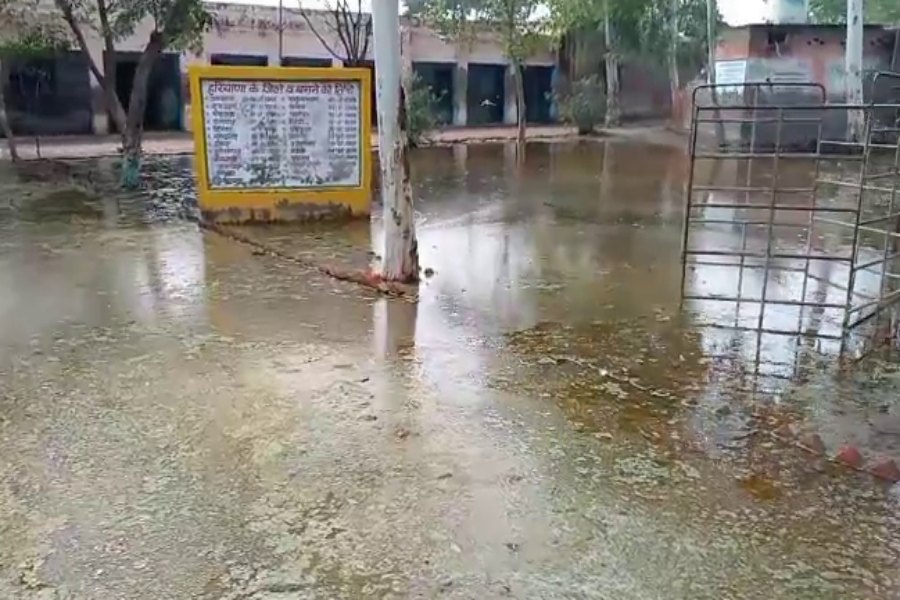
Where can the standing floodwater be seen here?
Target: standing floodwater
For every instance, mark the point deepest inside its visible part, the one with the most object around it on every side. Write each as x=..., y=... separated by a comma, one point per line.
x=181, y=417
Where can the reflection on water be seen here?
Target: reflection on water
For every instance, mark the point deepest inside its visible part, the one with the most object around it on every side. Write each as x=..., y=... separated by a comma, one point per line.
x=545, y=413
x=580, y=231
x=810, y=238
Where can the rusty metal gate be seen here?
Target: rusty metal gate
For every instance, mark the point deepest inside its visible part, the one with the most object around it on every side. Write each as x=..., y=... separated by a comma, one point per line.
x=790, y=227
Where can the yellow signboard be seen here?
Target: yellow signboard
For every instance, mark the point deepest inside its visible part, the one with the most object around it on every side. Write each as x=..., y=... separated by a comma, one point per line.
x=281, y=143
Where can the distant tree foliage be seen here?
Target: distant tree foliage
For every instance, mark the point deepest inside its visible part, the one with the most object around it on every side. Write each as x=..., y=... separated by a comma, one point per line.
x=878, y=12
x=667, y=32
x=644, y=28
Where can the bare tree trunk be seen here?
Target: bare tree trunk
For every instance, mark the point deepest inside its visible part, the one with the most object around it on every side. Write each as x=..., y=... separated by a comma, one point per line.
x=4, y=121
x=409, y=250
x=712, y=13
x=521, y=114
x=132, y=136
x=401, y=253
x=110, y=91
x=613, y=108
x=854, y=66
x=712, y=19
x=674, y=77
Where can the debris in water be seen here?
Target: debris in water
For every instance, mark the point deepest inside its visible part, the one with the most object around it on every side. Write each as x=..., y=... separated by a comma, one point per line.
x=850, y=456
x=886, y=469
x=813, y=443
x=759, y=486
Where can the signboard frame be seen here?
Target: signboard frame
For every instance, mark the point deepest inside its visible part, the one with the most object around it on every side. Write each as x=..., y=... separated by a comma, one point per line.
x=271, y=203
x=730, y=72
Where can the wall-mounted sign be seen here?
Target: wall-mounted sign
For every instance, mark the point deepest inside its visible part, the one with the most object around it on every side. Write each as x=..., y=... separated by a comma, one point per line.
x=731, y=72
x=281, y=143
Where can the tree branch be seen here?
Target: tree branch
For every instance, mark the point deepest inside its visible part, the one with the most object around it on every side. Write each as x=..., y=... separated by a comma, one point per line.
x=113, y=104
x=105, y=30
x=367, y=37
x=339, y=12
x=315, y=33
x=355, y=24
x=68, y=15
x=350, y=28
x=109, y=56
x=138, y=99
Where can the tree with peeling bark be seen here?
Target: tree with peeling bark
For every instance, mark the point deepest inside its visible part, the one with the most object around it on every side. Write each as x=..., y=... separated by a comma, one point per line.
x=674, y=37
x=854, y=66
x=25, y=32
x=712, y=37
x=613, y=87
x=349, y=28
x=176, y=25
x=401, y=252
x=712, y=12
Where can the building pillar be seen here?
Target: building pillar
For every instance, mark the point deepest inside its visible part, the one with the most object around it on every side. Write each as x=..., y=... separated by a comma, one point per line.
x=509, y=96
x=187, y=121
x=461, y=90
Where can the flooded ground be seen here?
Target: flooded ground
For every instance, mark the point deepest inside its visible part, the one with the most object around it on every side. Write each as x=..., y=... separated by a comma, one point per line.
x=181, y=418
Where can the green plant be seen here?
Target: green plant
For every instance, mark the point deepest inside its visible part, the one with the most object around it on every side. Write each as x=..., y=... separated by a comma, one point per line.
x=421, y=110
x=583, y=105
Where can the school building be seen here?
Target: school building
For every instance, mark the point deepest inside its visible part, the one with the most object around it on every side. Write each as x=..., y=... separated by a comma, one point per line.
x=473, y=80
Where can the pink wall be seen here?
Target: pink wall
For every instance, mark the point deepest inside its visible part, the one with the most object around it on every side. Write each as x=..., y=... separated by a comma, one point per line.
x=820, y=50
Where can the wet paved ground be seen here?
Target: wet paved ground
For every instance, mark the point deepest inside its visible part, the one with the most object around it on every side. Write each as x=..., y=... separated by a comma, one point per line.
x=180, y=418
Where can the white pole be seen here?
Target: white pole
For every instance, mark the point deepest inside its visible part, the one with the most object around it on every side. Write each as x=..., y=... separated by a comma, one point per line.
x=854, y=63
x=386, y=40
x=401, y=259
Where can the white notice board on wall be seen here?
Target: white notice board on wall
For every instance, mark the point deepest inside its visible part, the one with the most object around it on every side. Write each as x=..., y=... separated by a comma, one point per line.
x=730, y=73
x=282, y=134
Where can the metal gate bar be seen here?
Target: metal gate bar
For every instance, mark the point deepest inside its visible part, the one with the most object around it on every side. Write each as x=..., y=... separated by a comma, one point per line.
x=763, y=135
